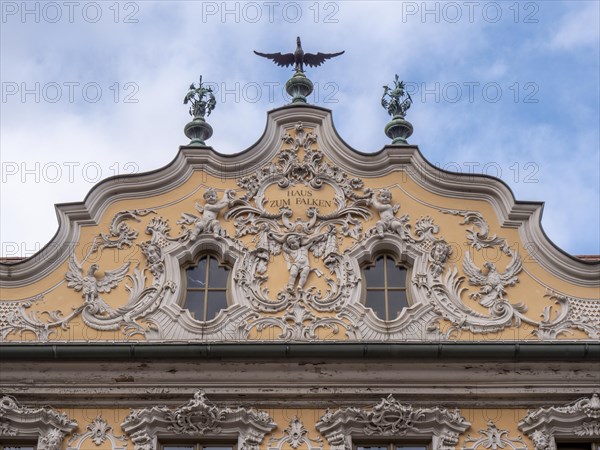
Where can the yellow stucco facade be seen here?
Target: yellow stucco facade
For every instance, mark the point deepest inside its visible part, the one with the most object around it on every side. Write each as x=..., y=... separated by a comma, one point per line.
x=499, y=324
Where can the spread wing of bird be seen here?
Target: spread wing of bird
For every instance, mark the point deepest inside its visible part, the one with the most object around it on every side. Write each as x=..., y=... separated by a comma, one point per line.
x=74, y=276
x=287, y=59
x=515, y=266
x=312, y=60
x=476, y=276
x=112, y=278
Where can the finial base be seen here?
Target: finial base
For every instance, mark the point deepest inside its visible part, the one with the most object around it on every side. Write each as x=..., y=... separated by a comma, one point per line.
x=299, y=87
x=198, y=131
x=399, y=130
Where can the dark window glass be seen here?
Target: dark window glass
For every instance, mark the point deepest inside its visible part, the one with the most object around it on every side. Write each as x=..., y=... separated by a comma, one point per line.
x=386, y=289
x=206, y=293
x=574, y=446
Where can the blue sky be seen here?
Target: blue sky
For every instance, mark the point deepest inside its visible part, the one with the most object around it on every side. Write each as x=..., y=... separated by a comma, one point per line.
x=94, y=89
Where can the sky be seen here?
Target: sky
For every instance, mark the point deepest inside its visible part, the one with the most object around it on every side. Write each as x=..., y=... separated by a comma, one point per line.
x=95, y=89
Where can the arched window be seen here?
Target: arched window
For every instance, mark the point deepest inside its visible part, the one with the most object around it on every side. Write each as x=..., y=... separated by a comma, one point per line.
x=206, y=288
x=385, y=282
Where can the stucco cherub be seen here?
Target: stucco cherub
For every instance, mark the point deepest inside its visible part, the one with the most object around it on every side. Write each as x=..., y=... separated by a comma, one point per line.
x=209, y=222
x=388, y=221
x=295, y=248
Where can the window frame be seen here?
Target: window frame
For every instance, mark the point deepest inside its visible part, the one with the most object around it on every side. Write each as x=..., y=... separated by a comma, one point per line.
x=190, y=266
x=45, y=426
x=198, y=419
x=372, y=262
x=574, y=422
x=438, y=426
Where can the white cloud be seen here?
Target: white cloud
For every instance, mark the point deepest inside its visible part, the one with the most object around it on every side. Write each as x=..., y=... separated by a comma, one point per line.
x=579, y=28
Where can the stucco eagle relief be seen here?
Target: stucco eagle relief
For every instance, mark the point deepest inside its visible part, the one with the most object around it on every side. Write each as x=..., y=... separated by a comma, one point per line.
x=297, y=231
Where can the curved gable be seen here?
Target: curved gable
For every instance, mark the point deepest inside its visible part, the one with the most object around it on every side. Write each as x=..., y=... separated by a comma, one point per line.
x=299, y=217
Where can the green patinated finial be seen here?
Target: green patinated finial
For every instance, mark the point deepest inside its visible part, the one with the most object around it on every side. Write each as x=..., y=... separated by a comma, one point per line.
x=202, y=102
x=397, y=101
x=299, y=87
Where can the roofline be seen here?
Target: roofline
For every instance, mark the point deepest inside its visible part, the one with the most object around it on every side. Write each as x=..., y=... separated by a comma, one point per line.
x=448, y=351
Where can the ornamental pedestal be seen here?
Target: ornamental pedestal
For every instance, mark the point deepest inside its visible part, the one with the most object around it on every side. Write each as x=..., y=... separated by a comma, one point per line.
x=399, y=130
x=198, y=131
x=299, y=87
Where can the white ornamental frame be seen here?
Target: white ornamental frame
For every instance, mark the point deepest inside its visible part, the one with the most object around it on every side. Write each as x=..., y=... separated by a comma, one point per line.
x=46, y=425
x=390, y=418
x=198, y=418
x=574, y=421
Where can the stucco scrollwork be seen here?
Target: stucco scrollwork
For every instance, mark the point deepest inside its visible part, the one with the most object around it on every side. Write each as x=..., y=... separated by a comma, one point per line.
x=198, y=418
x=98, y=431
x=46, y=425
x=343, y=427
x=581, y=314
x=120, y=232
x=296, y=436
x=577, y=419
x=493, y=438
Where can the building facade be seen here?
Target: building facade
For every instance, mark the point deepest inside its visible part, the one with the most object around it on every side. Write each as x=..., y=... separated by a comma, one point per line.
x=300, y=295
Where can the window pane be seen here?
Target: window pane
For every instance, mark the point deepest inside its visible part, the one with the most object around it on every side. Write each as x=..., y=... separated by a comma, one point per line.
x=196, y=276
x=212, y=447
x=374, y=275
x=396, y=276
x=397, y=301
x=194, y=302
x=411, y=447
x=376, y=300
x=217, y=300
x=178, y=447
x=217, y=276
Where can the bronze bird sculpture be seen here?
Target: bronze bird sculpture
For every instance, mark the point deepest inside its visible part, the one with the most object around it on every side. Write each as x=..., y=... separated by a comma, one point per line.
x=299, y=58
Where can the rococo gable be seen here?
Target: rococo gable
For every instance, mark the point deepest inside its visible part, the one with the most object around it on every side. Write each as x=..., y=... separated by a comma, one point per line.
x=300, y=294
x=297, y=217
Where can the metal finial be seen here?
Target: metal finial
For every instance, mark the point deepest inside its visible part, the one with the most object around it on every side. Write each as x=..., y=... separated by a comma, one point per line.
x=202, y=102
x=397, y=102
